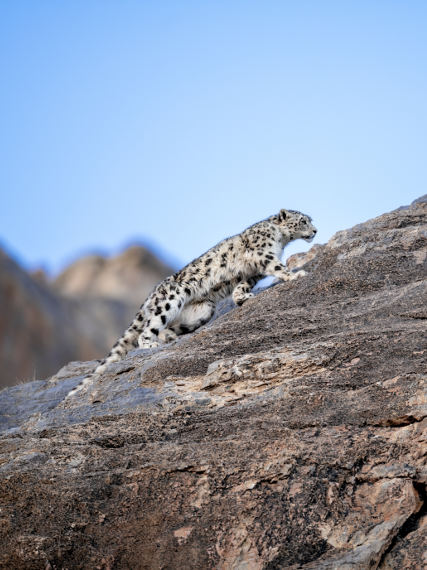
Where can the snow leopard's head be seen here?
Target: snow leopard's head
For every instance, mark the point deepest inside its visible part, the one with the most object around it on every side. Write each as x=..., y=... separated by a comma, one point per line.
x=297, y=224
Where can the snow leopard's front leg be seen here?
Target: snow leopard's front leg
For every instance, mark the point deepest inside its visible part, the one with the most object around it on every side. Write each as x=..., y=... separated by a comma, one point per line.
x=275, y=268
x=242, y=291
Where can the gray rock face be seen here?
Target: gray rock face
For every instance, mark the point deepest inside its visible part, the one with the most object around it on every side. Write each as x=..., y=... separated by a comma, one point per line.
x=288, y=433
x=79, y=316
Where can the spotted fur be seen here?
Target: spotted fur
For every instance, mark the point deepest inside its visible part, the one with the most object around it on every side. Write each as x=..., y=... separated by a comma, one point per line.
x=186, y=300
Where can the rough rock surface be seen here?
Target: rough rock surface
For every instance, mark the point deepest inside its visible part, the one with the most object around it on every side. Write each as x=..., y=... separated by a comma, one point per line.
x=78, y=317
x=289, y=433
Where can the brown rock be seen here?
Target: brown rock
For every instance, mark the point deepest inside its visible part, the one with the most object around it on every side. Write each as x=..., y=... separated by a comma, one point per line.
x=288, y=433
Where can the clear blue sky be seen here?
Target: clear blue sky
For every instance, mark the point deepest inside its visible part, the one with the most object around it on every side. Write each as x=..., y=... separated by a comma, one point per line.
x=183, y=122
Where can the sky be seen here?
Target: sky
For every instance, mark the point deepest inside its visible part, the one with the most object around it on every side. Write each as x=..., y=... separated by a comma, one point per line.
x=179, y=123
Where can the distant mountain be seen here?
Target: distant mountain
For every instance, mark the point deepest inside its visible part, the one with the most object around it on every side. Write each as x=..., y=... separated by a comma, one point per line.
x=78, y=316
x=127, y=277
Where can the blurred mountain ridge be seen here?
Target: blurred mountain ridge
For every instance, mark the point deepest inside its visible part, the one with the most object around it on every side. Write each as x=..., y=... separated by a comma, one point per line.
x=77, y=315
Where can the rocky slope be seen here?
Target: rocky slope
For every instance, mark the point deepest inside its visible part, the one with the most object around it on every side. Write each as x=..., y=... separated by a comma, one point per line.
x=289, y=433
x=43, y=325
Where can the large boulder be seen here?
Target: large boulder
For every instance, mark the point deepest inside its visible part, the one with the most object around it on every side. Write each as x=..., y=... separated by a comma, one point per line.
x=287, y=433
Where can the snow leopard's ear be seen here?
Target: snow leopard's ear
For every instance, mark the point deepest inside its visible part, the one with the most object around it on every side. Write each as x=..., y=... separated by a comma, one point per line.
x=283, y=214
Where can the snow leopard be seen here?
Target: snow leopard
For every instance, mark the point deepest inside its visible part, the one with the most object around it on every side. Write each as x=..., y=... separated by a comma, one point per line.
x=186, y=300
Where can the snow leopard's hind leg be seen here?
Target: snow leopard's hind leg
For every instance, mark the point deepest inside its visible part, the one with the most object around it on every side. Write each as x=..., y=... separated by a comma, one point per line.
x=193, y=316
x=163, y=307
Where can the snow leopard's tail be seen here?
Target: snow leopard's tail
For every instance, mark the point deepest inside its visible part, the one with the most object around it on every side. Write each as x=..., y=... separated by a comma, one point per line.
x=125, y=343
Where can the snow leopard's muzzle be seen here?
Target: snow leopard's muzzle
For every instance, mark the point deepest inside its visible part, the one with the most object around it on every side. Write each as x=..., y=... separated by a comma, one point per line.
x=310, y=236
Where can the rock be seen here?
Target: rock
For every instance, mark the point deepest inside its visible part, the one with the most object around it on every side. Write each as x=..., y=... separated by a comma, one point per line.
x=78, y=317
x=287, y=433
x=299, y=260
